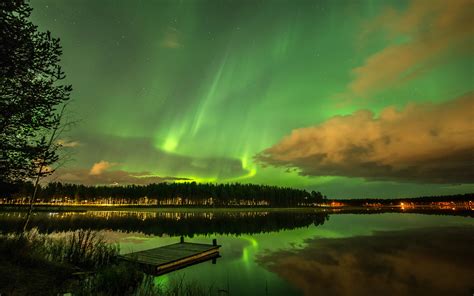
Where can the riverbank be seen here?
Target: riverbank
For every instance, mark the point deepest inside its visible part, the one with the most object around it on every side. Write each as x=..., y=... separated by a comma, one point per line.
x=426, y=209
x=75, y=263
x=147, y=208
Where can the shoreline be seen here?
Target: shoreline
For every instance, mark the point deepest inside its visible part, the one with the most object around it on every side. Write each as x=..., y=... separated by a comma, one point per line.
x=153, y=208
x=148, y=208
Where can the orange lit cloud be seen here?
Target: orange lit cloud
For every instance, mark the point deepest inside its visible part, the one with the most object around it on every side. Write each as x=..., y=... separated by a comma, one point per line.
x=422, y=143
x=99, y=167
x=432, y=30
x=102, y=176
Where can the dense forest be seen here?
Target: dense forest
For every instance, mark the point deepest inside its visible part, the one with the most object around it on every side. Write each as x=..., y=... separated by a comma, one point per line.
x=196, y=194
x=415, y=200
x=188, y=194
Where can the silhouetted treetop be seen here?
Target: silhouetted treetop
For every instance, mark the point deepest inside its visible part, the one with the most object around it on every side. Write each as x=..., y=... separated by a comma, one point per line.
x=30, y=92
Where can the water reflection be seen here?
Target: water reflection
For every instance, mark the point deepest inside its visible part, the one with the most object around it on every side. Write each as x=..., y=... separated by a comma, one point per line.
x=169, y=223
x=290, y=252
x=429, y=261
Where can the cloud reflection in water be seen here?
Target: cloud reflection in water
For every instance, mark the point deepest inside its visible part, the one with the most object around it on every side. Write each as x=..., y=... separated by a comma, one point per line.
x=432, y=261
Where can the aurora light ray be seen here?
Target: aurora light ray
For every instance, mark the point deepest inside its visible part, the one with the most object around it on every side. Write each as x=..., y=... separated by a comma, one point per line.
x=196, y=89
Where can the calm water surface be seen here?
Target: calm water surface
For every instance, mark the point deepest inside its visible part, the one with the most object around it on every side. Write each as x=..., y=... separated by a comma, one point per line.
x=297, y=252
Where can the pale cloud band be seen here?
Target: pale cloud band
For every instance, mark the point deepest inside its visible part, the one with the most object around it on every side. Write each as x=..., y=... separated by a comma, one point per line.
x=433, y=30
x=100, y=174
x=425, y=143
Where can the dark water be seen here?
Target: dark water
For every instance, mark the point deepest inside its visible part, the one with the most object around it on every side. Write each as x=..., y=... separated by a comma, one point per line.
x=297, y=252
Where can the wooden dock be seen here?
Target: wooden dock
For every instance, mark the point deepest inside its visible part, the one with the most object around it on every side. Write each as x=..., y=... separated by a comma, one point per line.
x=172, y=257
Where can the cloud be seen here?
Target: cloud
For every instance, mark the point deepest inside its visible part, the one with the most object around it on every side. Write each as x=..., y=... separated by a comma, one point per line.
x=142, y=154
x=432, y=30
x=431, y=143
x=386, y=263
x=171, y=38
x=99, y=167
x=102, y=176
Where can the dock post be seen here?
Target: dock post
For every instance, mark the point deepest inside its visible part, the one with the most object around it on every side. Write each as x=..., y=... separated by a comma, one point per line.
x=214, y=242
x=181, y=239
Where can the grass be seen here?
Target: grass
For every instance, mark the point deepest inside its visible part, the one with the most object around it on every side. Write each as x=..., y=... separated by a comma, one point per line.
x=179, y=286
x=24, y=270
x=39, y=264
x=116, y=279
x=126, y=279
x=81, y=263
x=82, y=248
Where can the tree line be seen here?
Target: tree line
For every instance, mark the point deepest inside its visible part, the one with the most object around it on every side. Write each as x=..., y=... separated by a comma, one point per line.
x=189, y=193
x=415, y=200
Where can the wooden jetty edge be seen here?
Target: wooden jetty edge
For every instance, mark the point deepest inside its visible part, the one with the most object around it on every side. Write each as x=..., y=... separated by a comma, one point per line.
x=175, y=256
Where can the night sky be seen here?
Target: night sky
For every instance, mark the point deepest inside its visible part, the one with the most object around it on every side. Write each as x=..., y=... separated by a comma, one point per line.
x=351, y=98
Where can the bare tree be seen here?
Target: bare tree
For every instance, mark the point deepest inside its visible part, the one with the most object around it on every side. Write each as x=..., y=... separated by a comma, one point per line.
x=49, y=155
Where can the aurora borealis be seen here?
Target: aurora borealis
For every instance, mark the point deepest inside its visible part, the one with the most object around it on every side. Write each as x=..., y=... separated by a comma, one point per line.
x=352, y=98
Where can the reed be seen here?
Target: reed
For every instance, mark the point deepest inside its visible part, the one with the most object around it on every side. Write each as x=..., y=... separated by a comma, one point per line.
x=89, y=251
x=85, y=249
x=82, y=248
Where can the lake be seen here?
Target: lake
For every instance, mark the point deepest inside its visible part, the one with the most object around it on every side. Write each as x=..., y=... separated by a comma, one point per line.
x=295, y=252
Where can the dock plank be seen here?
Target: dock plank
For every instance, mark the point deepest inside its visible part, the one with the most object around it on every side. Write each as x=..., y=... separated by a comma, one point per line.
x=174, y=256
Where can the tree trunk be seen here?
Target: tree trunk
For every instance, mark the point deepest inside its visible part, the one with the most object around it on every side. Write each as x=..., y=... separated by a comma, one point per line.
x=40, y=170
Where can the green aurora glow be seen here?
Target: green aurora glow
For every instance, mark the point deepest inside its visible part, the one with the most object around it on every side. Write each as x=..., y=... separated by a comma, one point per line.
x=196, y=89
